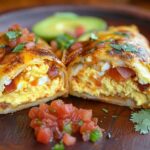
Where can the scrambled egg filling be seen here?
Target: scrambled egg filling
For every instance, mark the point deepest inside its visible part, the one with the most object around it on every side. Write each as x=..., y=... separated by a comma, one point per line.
x=26, y=92
x=108, y=87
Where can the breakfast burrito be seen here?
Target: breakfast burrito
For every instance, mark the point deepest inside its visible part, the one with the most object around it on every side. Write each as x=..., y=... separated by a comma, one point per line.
x=29, y=72
x=113, y=66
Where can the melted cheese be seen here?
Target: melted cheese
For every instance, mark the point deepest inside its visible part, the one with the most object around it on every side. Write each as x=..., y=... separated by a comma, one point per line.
x=108, y=86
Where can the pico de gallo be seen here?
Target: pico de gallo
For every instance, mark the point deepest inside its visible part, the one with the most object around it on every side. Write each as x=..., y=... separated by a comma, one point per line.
x=59, y=121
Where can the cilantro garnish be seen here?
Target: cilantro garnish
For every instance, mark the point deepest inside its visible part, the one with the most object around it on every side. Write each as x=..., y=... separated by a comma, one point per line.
x=2, y=45
x=68, y=128
x=11, y=35
x=124, y=47
x=142, y=121
x=122, y=34
x=58, y=147
x=19, y=47
x=104, y=41
x=64, y=41
x=93, y=36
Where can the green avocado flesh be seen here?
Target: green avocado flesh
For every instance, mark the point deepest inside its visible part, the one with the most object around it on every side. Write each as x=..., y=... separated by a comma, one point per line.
x=66, y=22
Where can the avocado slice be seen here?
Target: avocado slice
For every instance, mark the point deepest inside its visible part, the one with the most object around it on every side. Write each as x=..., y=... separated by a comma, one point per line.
x=66, y=22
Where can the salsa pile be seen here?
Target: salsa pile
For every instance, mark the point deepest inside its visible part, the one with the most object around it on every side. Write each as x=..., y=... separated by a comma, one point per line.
x=59, y=121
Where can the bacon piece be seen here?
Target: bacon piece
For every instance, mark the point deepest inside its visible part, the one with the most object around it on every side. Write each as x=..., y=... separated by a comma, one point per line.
x=11, y=87
x=143, y=87
x=53, y=72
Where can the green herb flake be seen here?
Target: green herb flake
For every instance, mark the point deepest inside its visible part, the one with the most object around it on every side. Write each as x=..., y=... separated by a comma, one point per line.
x=58, y=147
x=122, y=34
x=64, y=41
x=19, y=47
x=95, y=135
x=2, y=45
x=36, y=39
x=105, y=41
x=124, y=47
x=141, y=120
x=68, y=128
x=11, y=35
x=105, y=110
x=93, y=36
x=80, y=123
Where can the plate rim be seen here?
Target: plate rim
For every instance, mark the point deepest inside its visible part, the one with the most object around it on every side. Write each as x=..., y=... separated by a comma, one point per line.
x=125, y=9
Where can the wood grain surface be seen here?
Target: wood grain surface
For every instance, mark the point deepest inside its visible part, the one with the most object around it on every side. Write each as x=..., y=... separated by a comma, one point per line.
x=15, y=133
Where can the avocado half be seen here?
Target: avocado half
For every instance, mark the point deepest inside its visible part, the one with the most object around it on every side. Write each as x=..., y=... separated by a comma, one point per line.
x=61, y=23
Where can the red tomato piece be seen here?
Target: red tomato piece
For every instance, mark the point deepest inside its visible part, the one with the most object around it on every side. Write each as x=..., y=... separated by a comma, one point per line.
x=43, y=107
x=33, y=112
x=87, y=127
x=35, y=123
x=44, y=135
x=85, y=115
x=56, y=104
x=79, y=31
x=68, y=139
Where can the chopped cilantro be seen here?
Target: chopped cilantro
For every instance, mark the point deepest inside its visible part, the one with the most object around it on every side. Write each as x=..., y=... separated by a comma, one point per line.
x=58, y=146
x=141, y=120
x=64, y=41
x=11, y=35
x=105, y=110
x=122, y=34
x=80, y=123
x=95, y=135
x=19, y=47
x=68, y=128
x=93, y=36
x=124, y=47
x=104, y=41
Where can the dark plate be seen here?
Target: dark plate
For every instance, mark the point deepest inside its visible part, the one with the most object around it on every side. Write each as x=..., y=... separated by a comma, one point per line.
x=15, y=133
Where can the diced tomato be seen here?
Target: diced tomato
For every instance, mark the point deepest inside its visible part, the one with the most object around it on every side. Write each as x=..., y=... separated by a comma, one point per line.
x=68, y=139
x=59, y=119
x=44, y=135
x=79, y=31
x=43, y=114
x=35, y=123
x=55, y=105
x=11, y=87
x=33, y=112
x=87, y=127
x=85, y=115
x=126, y=73
x=49, y=122
x=43, y=107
